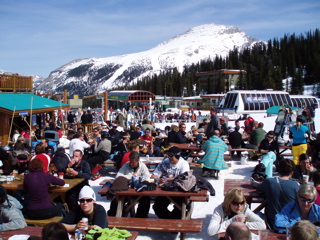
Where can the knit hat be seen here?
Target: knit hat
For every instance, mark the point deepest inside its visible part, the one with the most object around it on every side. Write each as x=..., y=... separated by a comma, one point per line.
x=174, y=150
x=87, y=192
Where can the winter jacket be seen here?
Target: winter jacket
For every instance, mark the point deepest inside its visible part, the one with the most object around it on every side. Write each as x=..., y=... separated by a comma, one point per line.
x=11, y=217
x=213, y=125
x=214, y=156
x=291, y=214
x=142, y=170
x=220, y=221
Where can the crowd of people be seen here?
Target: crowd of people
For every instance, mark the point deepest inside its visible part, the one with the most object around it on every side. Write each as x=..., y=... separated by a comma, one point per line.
x=290, y=199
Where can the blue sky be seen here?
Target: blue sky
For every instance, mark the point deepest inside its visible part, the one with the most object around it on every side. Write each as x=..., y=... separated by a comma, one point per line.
x=38, y=36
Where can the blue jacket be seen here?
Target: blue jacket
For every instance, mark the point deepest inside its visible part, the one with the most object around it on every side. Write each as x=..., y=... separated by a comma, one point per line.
x=291, y=214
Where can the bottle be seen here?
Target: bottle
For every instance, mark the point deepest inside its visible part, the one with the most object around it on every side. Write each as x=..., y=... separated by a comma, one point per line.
x=147, y=156
x=84, y=219
x=78, y=234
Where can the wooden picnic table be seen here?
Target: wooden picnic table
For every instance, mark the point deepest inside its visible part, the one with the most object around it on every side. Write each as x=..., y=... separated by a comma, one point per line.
x=251, y=194
x=134, y=197
x=186, y=146
x=36, y=231
x=55, y=191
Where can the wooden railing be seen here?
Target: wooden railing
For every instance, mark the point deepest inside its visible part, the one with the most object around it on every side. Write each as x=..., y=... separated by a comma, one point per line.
x=15, y=83
x=87, y=128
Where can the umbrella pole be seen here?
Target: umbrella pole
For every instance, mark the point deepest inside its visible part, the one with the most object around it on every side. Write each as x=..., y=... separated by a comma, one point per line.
x=14, y=110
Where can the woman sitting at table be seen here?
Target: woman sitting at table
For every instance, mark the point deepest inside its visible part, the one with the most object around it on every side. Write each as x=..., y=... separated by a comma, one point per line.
x=36, y=185
x=302, y=209
x=96, y=214
x=233, y=209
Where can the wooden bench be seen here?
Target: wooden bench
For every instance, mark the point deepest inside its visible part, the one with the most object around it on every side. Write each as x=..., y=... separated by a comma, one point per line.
x=243, y=150
x=156, y=224
x=43, y=222
x=103, y=191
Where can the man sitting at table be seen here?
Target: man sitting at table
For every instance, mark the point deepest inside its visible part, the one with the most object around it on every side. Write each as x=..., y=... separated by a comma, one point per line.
x=304, y=168
x=79, y=169
x=182, y=136
x=213, y=159
x=238, y=231
x=11, y=217
x=168, y=169
x=134, y=168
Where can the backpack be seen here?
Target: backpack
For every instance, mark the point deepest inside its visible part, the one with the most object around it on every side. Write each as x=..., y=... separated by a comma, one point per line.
x=61, y=159
x=259, y=172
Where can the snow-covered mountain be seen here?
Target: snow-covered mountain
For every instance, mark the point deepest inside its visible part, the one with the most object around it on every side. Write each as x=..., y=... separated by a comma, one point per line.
x=95, y=75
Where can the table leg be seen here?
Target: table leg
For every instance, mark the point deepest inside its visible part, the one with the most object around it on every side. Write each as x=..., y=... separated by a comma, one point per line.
x=130, y=207
x=120, y=206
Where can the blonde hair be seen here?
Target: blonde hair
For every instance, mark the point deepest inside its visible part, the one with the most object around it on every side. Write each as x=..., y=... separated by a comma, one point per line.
x=233, y=195
x=308, y=190
x=305, y=230
x=174, y=128
x=194, y=128
x=298, y=125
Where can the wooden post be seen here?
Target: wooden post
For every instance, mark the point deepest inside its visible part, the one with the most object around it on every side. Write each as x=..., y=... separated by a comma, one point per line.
x=106, y=106
x=65, y=96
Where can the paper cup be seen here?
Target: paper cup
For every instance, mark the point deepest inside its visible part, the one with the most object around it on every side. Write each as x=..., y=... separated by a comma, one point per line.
x=306, y=178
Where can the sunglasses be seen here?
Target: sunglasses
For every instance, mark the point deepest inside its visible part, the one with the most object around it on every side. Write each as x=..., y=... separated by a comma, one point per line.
x=238, y=203
x=86, y=200
x=270, y=137
x=302, y=199
x=170, y=155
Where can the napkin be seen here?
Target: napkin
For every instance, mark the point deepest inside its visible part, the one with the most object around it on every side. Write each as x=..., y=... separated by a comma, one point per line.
x=19, y=237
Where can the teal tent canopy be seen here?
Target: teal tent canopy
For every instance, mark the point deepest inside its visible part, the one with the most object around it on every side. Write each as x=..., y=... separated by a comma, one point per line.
x=276, y=109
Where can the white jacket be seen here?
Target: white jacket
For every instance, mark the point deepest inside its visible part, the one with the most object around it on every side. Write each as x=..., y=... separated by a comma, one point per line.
x=219, y=221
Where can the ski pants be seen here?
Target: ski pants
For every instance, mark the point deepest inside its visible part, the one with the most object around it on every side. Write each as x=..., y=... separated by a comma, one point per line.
x=297, y=151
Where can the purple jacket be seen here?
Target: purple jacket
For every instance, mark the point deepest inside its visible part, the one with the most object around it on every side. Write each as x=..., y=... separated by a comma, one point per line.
x=36, y=185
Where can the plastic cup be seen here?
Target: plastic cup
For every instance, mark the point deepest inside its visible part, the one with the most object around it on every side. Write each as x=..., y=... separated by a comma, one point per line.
x=288, y=231
x=263, y=234
x=305, y=178
x=61, y=175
